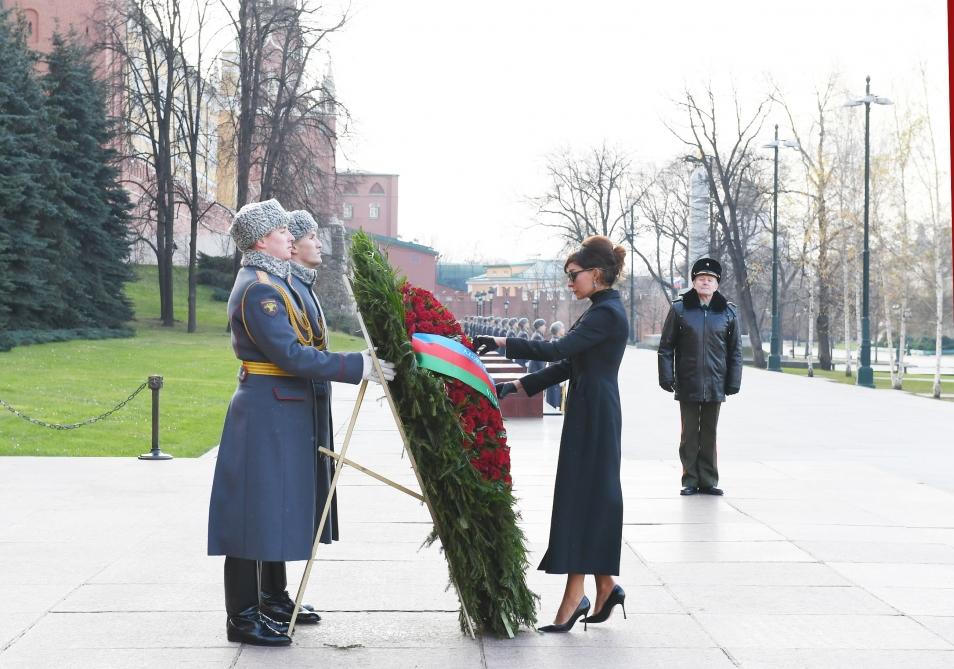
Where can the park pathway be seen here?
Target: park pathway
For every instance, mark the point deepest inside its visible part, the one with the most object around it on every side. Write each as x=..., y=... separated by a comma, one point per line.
x=833, y=547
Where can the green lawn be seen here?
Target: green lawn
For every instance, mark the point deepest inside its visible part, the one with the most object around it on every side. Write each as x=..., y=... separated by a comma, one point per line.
x=913, y=383
x=71, y=381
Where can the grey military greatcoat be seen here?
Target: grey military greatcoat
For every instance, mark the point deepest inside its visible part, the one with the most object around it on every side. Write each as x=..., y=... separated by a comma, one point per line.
x=264, y=495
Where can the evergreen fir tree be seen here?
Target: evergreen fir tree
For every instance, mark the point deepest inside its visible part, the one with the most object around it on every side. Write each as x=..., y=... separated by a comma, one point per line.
x=25, y=300
x=92, y=230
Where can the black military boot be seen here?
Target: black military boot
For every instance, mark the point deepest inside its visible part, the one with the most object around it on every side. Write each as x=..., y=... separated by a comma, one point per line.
x=248, y=626
x=279, y=606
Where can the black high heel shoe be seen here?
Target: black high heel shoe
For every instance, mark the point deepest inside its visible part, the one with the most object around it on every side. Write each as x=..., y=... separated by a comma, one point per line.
x=580, y=612
x=617, y=596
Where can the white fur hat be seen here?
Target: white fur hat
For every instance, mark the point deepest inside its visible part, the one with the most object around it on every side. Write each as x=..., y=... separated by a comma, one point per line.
x=301, y=224
x=255, y=220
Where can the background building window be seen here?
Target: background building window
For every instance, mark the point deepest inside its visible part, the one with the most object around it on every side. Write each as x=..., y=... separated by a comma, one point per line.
x=348, y=211
x=374, y=210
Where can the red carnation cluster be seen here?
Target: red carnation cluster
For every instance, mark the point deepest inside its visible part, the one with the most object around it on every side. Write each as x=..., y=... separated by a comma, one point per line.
x=486, y=439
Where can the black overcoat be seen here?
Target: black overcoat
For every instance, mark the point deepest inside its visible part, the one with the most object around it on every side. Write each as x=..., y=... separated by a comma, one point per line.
x=700, y=353
x=264, y=496
x=586, y=525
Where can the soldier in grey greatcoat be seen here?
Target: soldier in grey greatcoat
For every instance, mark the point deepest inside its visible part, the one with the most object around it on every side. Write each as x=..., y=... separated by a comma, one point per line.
x=264, y=501
x=306, y=257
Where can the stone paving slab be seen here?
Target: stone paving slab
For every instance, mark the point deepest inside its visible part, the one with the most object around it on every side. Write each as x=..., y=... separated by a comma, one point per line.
x=842, y=659
x=568, y=657
x=362, y=658
x=779, y=599
x=863, y=632
x=834, y=547
x=121, y=658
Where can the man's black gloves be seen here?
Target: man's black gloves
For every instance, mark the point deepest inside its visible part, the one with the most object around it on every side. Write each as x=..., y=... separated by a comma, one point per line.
x=731, y=391
x=483, y=343
x=667, y=386
x=504, y=389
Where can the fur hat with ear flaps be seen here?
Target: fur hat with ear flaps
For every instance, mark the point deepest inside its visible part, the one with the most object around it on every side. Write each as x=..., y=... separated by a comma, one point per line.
x=255, y=220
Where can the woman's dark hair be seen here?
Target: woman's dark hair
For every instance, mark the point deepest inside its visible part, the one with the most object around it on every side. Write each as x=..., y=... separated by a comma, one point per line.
x=600, y=252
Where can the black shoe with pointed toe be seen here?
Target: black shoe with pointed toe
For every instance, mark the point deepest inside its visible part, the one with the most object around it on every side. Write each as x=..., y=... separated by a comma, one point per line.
x=249, y=626
x=276, y=625
x=711, y=491
x=688, y=490
x=580, y=612
x=279, y=606
x=617, y=596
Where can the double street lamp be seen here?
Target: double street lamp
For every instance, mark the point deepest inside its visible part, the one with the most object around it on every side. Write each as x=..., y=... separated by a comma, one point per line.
x=865, y=373
x=775, y=354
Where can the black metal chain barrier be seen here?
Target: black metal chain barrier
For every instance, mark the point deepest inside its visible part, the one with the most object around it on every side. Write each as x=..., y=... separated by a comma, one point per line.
x=73, y=426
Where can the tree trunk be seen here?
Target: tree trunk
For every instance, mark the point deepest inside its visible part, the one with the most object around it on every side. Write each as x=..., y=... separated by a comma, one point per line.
x=748, y=308
x=939, y=286
x=889, y=335
x=845, y=307
x=811, y=323
x=902, y=343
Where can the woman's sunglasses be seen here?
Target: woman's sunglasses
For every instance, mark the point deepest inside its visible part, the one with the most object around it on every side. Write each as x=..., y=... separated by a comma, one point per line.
x=573, y=274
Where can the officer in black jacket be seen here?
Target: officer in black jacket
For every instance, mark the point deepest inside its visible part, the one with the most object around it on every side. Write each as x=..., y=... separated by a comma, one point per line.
x=700, y=359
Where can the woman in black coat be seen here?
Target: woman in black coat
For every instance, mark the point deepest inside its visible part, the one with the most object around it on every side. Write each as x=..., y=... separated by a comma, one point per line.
x=586, y=524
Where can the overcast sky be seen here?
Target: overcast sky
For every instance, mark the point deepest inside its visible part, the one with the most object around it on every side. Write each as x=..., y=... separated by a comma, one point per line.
x=464, y=101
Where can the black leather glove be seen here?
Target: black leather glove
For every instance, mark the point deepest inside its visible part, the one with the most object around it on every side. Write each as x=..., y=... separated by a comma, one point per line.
x=483, y=343
x=504, y=389
x=731, y=391
x=667, y=386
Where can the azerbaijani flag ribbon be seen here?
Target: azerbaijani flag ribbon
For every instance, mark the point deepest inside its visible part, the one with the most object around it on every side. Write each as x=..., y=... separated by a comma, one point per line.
x=451, y=358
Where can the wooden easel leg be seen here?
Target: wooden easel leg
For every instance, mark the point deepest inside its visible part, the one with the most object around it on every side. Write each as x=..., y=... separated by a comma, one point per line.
x=410, y=456
x=364, y=470
x=324, y=513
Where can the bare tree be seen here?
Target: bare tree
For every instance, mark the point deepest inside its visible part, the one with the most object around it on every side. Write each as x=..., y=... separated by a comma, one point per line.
x=283, y=116
x=194, y=133
x=733, y=172
x=820, y=174
x=846, y=186
x=940, y=223
x=140, y=33
x=588, y=195
x=664, y=212
x=906, y=131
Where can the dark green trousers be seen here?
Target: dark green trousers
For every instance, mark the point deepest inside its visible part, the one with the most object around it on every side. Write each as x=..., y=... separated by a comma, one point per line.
x=697, y=445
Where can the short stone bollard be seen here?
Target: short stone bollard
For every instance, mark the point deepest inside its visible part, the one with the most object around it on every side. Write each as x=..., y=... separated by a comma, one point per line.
x=155, y=384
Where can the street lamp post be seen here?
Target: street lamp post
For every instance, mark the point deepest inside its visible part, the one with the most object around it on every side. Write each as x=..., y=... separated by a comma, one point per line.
x=506, y=308
x=775, y=354
x=630, y=234
x=536, y=307
x=865, y=373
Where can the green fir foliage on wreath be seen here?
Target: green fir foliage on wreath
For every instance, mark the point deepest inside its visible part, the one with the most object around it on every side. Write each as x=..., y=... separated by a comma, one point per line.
x=476, y=519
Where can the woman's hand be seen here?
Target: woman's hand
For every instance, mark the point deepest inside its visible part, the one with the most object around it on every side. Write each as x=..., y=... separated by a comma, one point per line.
x=504, y=389
x=483, y=344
